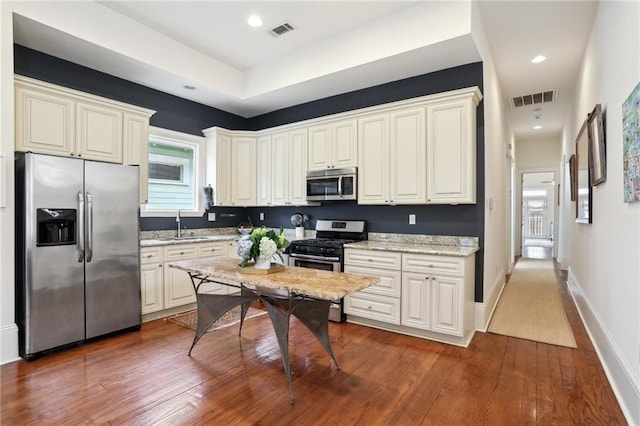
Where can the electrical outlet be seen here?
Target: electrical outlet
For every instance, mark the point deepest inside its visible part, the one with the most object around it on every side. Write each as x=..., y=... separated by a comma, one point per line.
x=211, y=217
x=412, y=219
x=261, y=216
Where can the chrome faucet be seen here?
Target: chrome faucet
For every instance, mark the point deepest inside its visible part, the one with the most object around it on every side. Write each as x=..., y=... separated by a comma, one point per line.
x=178, y=224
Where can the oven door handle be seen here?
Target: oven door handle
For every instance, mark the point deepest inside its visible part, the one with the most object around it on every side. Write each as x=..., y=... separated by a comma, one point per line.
x=312, y=257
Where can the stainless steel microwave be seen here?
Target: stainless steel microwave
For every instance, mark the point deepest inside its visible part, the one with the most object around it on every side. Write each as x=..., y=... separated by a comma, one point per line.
x=332, y=184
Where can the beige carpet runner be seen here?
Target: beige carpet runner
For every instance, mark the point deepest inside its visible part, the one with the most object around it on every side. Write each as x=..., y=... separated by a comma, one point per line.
x=531, y=306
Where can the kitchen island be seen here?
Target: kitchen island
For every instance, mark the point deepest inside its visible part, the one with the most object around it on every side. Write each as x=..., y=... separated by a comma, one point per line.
x=301, y=292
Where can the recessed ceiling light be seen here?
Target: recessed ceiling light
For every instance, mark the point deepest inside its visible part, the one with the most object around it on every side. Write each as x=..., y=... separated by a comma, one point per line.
x=539, y=59
x=189, y=87
x=537, y=127
x=255, y=21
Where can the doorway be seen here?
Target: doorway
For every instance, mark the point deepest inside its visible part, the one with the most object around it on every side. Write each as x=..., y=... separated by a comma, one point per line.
x=538, y=213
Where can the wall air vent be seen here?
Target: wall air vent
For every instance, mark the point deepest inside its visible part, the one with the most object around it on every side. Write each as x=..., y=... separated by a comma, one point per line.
x=534, y=98
x=281, y=29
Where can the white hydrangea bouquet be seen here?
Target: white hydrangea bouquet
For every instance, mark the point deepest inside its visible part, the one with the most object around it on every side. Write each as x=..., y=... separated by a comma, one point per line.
x=260, y=246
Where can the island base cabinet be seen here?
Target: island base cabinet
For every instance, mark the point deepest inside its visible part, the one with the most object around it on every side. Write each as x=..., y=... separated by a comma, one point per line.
x=416, y=301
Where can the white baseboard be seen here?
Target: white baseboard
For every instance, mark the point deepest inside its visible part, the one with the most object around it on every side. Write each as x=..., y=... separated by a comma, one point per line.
x=625, y=386
x=8, y=343
x=484, y=310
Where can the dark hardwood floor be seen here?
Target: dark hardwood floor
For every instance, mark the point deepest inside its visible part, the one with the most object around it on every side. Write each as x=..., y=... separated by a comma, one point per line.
x=146, y=377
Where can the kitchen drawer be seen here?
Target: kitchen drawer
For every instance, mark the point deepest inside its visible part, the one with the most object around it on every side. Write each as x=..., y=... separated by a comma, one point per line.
x=217, y=249
x=390, y=281
x=373, y=306
x=180, y=252
x=423, y=263
x=373, y=258
x=151, y=255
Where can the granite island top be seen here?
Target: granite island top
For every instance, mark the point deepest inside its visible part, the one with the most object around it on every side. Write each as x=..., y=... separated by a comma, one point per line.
x=327, y=285
x=417, y=248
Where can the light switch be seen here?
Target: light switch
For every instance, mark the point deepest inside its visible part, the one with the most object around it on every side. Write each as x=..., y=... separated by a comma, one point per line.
x=412, y=219
x=211, y=217
x=261, y=216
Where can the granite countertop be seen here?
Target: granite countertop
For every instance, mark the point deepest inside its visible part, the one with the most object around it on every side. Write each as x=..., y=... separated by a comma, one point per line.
x=188, y=240
x=326, y=285
x=408, y=247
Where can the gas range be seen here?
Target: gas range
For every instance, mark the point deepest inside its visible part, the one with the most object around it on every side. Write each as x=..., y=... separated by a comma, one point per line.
x=331, y=235
x=325, y=252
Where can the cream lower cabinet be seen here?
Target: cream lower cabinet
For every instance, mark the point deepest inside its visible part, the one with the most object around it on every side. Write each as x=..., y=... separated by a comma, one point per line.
x=381, y=301
x=178, y=289
x=428, y=296
x=151, y=279
x=169, y=289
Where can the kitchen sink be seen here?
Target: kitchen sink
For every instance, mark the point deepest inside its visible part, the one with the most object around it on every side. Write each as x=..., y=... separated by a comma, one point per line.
x=187, y=238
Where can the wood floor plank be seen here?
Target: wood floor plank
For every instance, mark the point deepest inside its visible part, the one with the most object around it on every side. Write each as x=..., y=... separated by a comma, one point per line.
x=146, y=378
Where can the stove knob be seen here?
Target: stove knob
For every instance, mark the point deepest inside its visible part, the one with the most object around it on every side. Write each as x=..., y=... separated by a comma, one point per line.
x=329, y=250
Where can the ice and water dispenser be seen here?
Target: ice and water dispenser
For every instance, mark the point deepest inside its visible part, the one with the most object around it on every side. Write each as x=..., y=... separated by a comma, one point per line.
x=56, y=227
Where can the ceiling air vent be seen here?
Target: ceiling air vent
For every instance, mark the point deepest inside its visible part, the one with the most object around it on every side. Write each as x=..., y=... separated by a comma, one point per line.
x=534, y=98
x=281, y=29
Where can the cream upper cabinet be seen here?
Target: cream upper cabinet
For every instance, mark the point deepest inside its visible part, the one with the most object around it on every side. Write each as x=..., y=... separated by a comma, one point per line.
x=391, y=152
x=243, y=169
x=98, y=132
x=298, y=155
x=280, y=173
x=135, y=148
x=451, y=151
x=333, y=145
x=56, y=120
x=289, y=168
x=218, y=165
x=263, y=184
x=373, y=158
x=45, y=121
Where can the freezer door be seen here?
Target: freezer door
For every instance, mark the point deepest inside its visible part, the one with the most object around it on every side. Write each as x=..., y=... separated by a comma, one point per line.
x=112, y=266
x=52, y=305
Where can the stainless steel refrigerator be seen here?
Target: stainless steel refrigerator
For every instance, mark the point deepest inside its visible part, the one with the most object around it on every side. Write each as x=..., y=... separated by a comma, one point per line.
x=77, y=251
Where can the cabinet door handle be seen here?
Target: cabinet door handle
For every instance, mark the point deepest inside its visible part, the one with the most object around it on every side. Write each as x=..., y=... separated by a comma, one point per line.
x=430, y=265
x=181, y=252
x=369, y=307
x=160, y=265
x=149, y=255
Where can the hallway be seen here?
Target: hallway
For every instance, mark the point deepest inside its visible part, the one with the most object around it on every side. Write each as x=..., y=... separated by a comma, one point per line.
x=537, y=248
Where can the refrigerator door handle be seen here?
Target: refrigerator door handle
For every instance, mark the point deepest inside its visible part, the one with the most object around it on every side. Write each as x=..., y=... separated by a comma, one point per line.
x=80, y=226
x=89, y=227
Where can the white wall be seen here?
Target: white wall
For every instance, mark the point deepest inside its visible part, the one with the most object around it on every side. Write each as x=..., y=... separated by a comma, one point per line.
x=604, y=266
x=538, y=153
x=497, y=136
x=8, y=328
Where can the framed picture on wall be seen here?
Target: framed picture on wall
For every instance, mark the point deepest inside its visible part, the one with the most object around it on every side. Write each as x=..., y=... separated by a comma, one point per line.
x=597, y=152
x=631, y=146
x=572, y=176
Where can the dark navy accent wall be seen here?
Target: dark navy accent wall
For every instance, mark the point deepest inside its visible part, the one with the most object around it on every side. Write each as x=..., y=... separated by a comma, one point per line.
x=427, y=84
x=172, y=112
x=178, y=114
